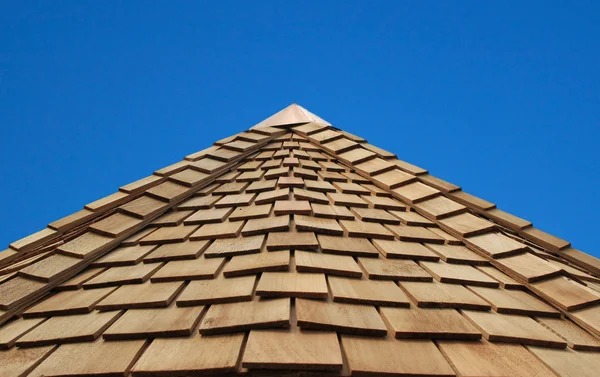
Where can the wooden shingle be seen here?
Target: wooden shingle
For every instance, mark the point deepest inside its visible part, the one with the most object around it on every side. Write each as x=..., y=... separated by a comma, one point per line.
x=354, y=246
x=330, y=264
x=419, y=323
x=195, y=354
x=141, y=296
x=374, y=356
x=513, y=329
x=217, y=291
x=201, y=268
x=69, y=329
x=256, y=263
x=244, y=316
x=156, y=323
x=367, y=292
x=234, y=246
x=101, y=359
x=343, y=318
x=68, y=302
x=441, y=295
x=292, y=284
x=389, y=269
x=515, y=302
x=292, y=349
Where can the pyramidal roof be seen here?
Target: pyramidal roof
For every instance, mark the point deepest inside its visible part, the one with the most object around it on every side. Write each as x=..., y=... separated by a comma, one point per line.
x=296, y=248
x=293, y=114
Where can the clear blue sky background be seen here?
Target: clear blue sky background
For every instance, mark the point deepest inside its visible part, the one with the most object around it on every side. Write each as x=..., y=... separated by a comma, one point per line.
x=501, y=98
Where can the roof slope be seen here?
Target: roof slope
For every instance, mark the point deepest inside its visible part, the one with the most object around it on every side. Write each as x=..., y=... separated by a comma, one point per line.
x=298, y=248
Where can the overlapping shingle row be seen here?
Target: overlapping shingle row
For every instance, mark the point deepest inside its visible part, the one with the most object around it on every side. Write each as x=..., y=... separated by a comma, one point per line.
x=299, y=248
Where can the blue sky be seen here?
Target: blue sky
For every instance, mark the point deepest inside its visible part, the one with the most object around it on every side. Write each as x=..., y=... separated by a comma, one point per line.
x=501, y=98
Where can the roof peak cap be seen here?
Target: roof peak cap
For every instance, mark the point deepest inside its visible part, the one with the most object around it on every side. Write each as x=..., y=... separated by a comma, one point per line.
x=293, y=114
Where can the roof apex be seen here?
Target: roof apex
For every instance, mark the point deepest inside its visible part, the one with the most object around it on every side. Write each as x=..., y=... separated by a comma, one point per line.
x=293, y=114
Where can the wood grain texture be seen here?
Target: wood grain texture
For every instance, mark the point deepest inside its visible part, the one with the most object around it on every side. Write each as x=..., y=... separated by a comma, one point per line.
x=115, y=224
x=565, y=293
x=201, y=268
x=97, y=358
x=466, y=225
x=496, y=245
x=342, y=318
x=353, y=246
x=198, y=202
x=250, y=212
x=331, y=212
x=141, y=296
x=375, y=215
x=124, y=256
x=69, y=329
x=366, y=230
x=191, y=355
x=415, y=192
x=169, y=234
x=412, y=219
x=68, y=302
x=292, y=207
x=168, y=191
x=221, y=230
x=415, y=234
x=485, y=359
x=19, y=362
x=441, y=295
x=405, y=250
x=326, y=263
x=311, y=196
x=235, y=246
x=217, y=291
x=513, y=329
x=292, y=284
x=245, y=316
x=50, y=268
x=515, y=302
x=456, y=254
x=569, y=363
x=576, y=337
x=418, y=323
x=256, y=263
x=588, y=318
x=207, y=216
x=116, y=276
x=527, y=267
x=12, y=331
x=505, y=281
x=266, y=225
x=292, y=349
x=439, y=208
x=156, y=323
x=349, y=200
x=459, y=274
x=318, y=225
x=171, y=218
x=177, y=251
x=398, y=270
x=382, y=202
x=235, y=200
x=392, y=357
x=85, y=246
x=367, y=292
x=292, y=240
x=319, y=186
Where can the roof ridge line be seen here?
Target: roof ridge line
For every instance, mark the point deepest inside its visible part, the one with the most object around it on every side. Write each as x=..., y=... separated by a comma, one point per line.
x=104, y=213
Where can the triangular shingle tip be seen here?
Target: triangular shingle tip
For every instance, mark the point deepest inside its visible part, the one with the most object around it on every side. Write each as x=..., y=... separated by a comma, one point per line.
x=293, y=114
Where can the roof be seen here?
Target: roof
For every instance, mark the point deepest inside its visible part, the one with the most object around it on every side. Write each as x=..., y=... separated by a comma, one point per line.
x=296, y=248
